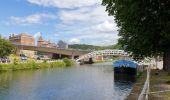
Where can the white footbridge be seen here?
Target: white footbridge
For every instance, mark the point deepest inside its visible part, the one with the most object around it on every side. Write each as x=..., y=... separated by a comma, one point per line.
x=108, y=52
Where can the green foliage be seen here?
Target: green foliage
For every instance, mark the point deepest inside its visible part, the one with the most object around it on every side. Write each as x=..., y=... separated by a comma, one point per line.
x=31, y=64
x=44, y=61
x=139, y=74
x=144, y=25
x=92, y=47
x=15, y=61
x=68, y=62
x=57, y=64
x=6, y=67
x=6, y=47
x=99, y=61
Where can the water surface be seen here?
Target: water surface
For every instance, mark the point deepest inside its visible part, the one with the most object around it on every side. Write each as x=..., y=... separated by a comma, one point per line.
x=87, y=82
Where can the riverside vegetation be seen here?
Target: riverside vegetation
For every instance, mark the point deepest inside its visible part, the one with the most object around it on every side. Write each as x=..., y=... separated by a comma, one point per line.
x=32, y=64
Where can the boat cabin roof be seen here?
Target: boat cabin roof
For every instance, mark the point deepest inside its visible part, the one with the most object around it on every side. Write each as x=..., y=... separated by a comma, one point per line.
x=125, y=63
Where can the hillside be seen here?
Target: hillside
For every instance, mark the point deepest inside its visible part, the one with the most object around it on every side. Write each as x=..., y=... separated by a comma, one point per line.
x=93, y=47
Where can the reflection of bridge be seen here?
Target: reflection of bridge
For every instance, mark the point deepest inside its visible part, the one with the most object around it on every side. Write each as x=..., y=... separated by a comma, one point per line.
x=67, y=52
x=114, y=52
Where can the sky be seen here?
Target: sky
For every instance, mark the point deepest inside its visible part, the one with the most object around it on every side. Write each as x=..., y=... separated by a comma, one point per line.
x=73, y=21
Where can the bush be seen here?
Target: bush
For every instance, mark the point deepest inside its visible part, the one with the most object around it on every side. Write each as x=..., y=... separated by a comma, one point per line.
x=68, y=62
x=57, y=64
x=31, y=64
x=6, y=67
x=15, y=62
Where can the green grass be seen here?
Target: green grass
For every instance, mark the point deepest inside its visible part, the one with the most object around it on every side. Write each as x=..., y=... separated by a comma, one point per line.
x=139, y=74
x=31, y=64
x=102, y=61
x=158, y=82
x=68, y=62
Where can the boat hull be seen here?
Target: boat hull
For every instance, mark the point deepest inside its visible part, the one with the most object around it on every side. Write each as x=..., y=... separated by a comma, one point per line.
x=125, y=70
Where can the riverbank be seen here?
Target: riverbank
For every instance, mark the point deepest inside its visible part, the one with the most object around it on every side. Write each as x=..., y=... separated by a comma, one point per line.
x=102, y=61
x=137, y=88
x=32, y=64
x=159, y=81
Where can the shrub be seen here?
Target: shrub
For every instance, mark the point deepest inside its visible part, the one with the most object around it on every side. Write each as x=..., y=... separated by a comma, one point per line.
x=31, y=64
x=68, y=62
x=15, y=62
x=57, y=64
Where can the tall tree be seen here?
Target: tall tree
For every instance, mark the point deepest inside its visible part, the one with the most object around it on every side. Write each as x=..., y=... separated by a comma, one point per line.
x=144, y=26
x=6, y=47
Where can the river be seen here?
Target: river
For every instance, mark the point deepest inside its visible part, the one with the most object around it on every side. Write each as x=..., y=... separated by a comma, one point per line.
x=87, y=82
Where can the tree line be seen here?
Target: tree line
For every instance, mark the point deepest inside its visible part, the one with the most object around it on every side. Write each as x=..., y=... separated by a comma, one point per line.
x=93, y=47
x=144, y=27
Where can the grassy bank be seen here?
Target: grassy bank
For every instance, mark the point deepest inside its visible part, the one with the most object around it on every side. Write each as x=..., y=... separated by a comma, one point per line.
x=159, y=81
x=31, y=64
x=102, y=61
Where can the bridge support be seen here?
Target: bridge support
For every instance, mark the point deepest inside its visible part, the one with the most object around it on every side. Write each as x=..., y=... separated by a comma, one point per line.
x=59, y=56
x=72, y=57
x=88, y=61
x=99, y=58
x=91, y=60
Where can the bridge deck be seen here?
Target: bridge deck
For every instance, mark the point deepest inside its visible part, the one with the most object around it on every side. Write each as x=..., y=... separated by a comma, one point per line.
x=53, y=50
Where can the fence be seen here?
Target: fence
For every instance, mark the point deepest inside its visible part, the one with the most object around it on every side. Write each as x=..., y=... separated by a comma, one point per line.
x=145, y=90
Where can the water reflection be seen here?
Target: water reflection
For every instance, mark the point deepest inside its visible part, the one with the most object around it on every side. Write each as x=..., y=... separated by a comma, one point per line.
x=88, y=82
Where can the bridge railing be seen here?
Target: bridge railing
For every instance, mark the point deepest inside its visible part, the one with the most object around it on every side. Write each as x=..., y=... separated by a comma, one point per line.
x=104, y=52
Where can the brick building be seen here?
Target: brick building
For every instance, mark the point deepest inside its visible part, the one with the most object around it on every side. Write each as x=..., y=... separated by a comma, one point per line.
x=23, y=39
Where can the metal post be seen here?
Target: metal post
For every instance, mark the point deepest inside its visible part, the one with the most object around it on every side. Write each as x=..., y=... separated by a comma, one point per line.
x=72, y=55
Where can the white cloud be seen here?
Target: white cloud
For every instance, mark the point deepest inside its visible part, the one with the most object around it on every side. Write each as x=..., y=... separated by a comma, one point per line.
x=84, y=20
x=74, y=41
x=96, y=36
x=105, y=27
x=104, y=42
x=89, y=15
x=90, y=24
x=32, y=19
x=65, y=3
x=37, y=35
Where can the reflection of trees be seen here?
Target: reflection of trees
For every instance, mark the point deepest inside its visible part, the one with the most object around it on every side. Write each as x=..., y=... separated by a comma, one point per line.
x=5, y=79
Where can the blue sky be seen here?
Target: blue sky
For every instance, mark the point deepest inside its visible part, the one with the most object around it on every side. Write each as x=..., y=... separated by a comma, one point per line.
x=74, y=21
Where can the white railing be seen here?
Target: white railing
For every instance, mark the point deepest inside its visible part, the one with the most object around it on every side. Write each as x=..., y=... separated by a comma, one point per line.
x=145, y=90
x=107, y=52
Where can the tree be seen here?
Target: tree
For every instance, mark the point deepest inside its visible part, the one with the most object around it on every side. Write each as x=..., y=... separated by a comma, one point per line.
x=144, y=27
x=6, y=47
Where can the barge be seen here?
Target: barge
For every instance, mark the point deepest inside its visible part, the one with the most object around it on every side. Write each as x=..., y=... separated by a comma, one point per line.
x=125, y=67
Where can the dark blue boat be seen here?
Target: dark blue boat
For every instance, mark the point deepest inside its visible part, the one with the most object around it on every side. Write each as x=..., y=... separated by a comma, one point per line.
x=125, y=67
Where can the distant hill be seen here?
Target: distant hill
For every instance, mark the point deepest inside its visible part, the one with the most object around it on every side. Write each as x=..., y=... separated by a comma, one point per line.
x=93, y=47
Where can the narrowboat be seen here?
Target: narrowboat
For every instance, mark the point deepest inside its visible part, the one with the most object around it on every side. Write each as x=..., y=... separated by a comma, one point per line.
x=125, y=67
